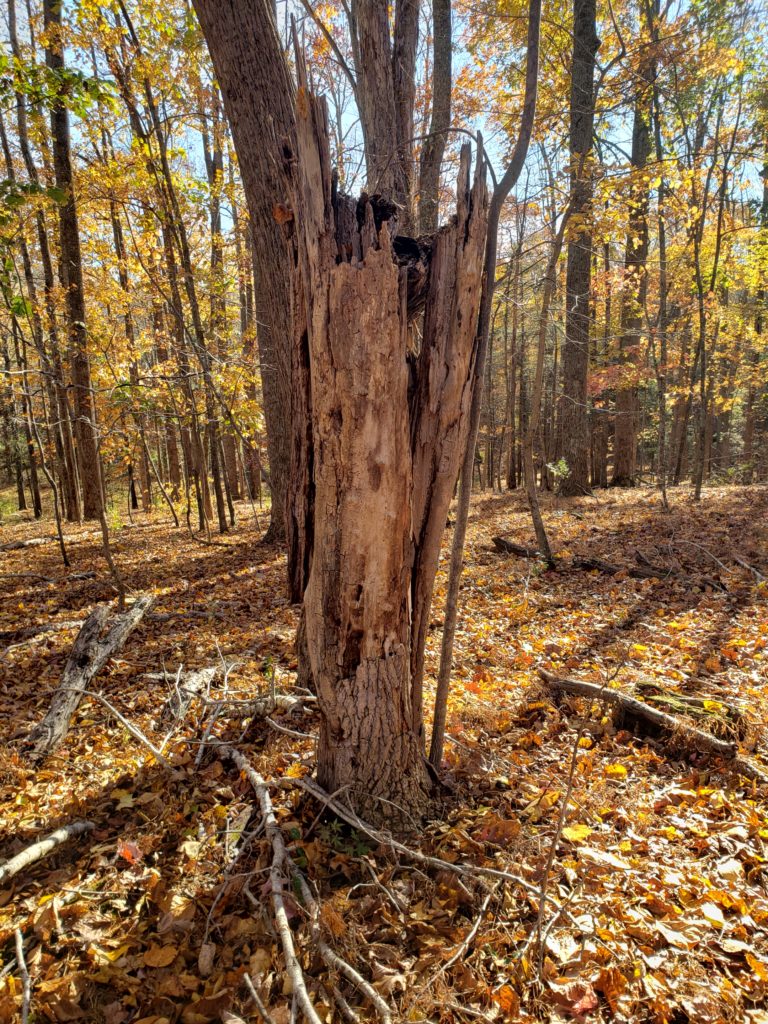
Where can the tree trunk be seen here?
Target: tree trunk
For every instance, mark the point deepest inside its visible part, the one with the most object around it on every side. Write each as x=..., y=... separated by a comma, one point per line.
x=258, y=99
x=635, y=289
x=385, y=465
x=434, y=145
x=71, y=273
x=573, y=420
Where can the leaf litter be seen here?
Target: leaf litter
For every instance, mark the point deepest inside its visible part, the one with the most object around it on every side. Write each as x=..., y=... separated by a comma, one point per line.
x=656, y=904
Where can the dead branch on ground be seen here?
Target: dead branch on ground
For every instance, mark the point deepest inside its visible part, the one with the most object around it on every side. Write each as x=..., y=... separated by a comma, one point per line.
x=92, y=648
x=42, y=848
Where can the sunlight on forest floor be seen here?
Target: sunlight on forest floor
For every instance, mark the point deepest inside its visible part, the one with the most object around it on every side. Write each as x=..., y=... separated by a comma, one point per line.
x=660, y=857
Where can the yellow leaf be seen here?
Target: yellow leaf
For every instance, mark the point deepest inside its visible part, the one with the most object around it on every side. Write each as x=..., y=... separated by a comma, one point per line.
x=713, y=914
x=760, y=967
x=577, y=833
x=616, y=771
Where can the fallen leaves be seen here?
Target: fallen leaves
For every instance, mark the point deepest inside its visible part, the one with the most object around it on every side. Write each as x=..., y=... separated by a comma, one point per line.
x=661, y=865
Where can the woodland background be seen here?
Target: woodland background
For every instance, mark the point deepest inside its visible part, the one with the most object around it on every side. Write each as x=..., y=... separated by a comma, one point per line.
x=585, y=864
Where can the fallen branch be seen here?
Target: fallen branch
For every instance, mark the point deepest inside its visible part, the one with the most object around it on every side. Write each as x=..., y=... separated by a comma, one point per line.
x=90, y=653
x=645, y=570
x=134, y=730
x=280, y=860
x=42, y=848
x=697, y=739
x=637, y=572
x=464, y=870
x=510, y=548
x=331, y=958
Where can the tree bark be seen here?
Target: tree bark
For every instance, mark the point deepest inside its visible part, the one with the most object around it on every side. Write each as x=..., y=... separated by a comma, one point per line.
x=71, y=273
x=383, y=477
x=258, y=99
x=573, y=420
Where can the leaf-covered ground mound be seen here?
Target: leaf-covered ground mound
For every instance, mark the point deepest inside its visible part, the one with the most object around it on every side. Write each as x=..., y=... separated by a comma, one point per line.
x=650, y=854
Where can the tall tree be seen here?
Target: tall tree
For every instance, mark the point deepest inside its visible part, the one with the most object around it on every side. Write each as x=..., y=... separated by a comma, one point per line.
x=71, y=273
x=573, y=426
x=635, y=279
x=258, y=98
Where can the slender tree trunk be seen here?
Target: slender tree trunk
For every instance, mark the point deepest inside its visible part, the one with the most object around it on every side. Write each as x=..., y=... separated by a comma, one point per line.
x=434, y=146
x=71, y=273
x=635, y=288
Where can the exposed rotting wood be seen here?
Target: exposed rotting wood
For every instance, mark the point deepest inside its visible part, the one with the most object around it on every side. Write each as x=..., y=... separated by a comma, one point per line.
x=42, y=848
x=92, y=648
x=693, y=738
x=389, y=428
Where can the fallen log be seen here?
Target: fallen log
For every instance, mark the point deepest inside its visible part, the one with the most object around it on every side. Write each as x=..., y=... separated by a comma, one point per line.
x=695, y=738
x=91, y=651
x=637, y=572
x=644, y=570
x=42, y=848
x=509, y=547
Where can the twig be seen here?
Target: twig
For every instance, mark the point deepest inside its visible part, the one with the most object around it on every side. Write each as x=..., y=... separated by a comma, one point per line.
x=465, y=870
x=553, y=846
x=132, y=729
x=332, y=959
x=42, y=848
x=290, y=732
x=279, y=860
x=463, y=946
x=745, y=565
x=265, y=1014
x=26, y=983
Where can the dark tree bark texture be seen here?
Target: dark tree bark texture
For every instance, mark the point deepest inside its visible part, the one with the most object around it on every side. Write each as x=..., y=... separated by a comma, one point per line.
x=258, y=99
x=573, y=420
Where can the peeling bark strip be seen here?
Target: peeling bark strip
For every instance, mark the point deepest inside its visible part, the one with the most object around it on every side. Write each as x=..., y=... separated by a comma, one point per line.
x=388, y=440
x=90, y=653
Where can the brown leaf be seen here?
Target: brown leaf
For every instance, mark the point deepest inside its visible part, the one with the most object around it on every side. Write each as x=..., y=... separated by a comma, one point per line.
x=160, y=956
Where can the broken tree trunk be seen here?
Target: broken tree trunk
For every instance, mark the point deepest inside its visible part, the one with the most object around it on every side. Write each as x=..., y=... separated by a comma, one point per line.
x=389, y=428
x=92, y=649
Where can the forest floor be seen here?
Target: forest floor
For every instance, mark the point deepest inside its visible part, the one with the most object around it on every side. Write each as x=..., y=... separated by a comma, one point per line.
x=657, y=854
